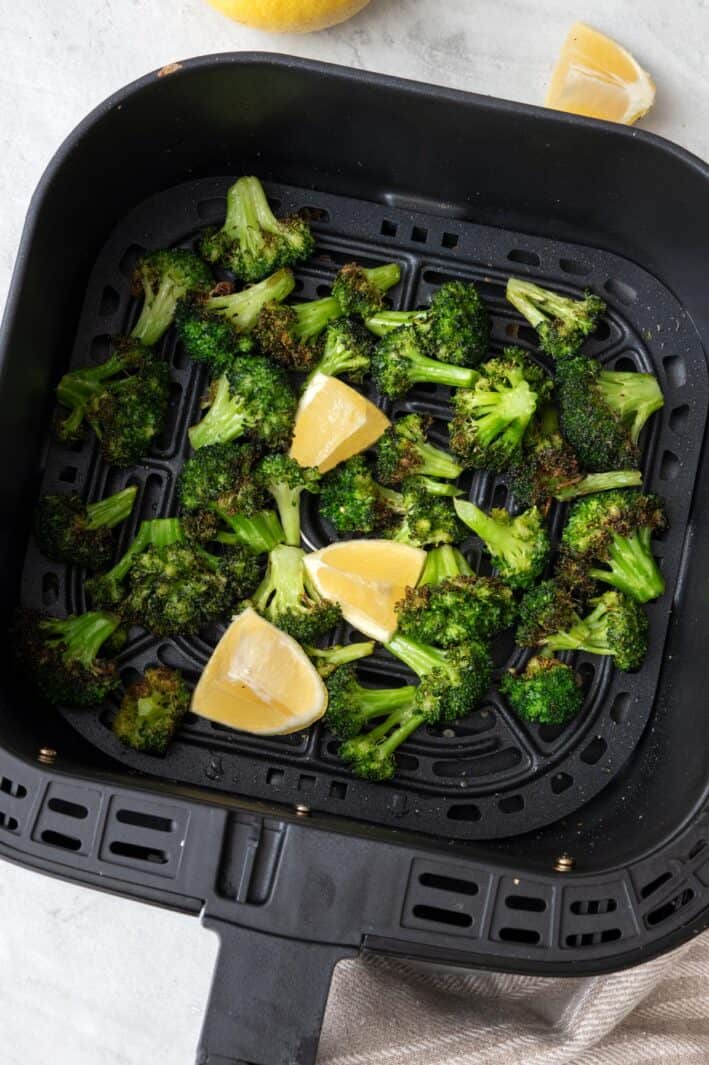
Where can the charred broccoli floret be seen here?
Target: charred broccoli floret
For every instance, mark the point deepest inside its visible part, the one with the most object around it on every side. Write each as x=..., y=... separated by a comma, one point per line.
x=548, y=607
x=370, y=755
x=107, y=590
x=163, y=278
x=547, y=691
x=292, y=335
x=444, y=561
x=351, y=706
x=347, y=349
x=452, y=681
x=562, y=323
x=352, y=500
x=61, y=656
x=151, y=710
x=254, y=398
x=359, y=291
x=286, y=598
x=491, y=418
x=400, y=362
x=615, y=528
x=253, y=243
x=286, y=480
x=328, y=659
x=403, y=451
x=456, y=609
x=428, y=514
x=519, y=546
x=69, y=530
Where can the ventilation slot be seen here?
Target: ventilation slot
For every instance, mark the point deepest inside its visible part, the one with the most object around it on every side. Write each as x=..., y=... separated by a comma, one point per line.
x=679, y=419
x=18, y=791
x=602, y=331
x=58, y=839
x=670, y=466
x=587, y=907
x=574, y=266
x=621, y=290
x=68, y=809
x=138, y=853
x=464, y=812
x=661, y=914
x=314, y=214
x=338, y=790
x=419, y=234
x=595, y=751
x=143, y=820
x=696, y=849
x=620, y=707
x=593, y=939
x=528, y=936
x=100, y=348
x=527, y=258
x=389, y=229
x=439, y=916
x=626, y=364
x=67, y=474
x=449, y=240
x=109, y=303
x=129, y=260
x=306, y=782
x=511, y=805
x=676, y=370
x=448, y=883
x=50, y=589
x=7, y=823
x=274, y=777
x=654, y=885
x=560, y=782
x=525, y=902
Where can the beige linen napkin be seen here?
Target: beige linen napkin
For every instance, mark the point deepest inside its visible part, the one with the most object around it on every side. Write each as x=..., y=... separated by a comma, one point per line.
x=384, y=1012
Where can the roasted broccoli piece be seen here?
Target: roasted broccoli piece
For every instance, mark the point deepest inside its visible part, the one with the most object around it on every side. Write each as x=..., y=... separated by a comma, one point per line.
x=456, y=609
x=69, y=530
x=253, y=243
x=352, y=500
x=399, y=363
x=615, y=528
x=286, y=481
x=403, y=451
x=351, y=706
x=107, y=590
x=444, y=561
x=491, y=418
x=254, y=398
x=370, y=755
x=163, y=277
x=603, y=412
x=60, y=656
x=347, y=349
x=286, y=598
x=519, y=546
x=452, y=681
x=562, y=323
x=328, y=659
x=124, y=400
x=359, y=291
x=548, y=607
x=616, y=626
x=429, y=516
x=292, y=335
x=216, y=329
x=547, y=691
x=223, y=476
x=151, y=710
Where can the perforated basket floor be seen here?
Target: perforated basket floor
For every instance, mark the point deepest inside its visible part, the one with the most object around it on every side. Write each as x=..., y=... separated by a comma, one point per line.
x=487, y=775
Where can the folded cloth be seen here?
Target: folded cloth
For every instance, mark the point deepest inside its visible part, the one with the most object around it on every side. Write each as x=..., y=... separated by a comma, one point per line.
x=385, y=1012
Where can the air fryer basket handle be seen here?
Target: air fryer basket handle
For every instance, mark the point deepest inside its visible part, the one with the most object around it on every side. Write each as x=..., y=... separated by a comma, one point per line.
x=267, y=999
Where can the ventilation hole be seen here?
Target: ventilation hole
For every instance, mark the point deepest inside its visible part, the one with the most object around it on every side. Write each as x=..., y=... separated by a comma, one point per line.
x=130, y=675
x=676, y=370
x=670, y=466
x=338, y=790
x=464, y=812
x=139, y=853
x=593, y=939
x=560, y=782
x=109, y=302
x=655, y=885
x=100, y=348
x=389, y=229
x=211, y=210
x=586, y=672
x=68, y=809
x=150, y=497
x=67, y=474
x=419, y=234
x=696, y=849
x=18, y=791
x=434, y=913
x=164, y=438
x=520, y=935
x=298, y=286
x=306, y=782
x=586, y=907
x=143, y=820
x=10, y=824
x=449, y=240
x=602, y=331
x=620, y=707
x=621, y=290
x=50, y=589
x=407, y=762
x=58, y=839
x=130, y=258
x=180, y=359
x=625, y=363
x=519, y=255
x=679, y=418
x=525, y=902
x=499, y=496
x=323, y=290
x=669, y=908
x=511, y=805
x=575, y=266
x=483, y=765
x=274, y=777
x=595, y=751
x=191, y=719
x=520, y=331
x=448, y=883
x=314, y=214
x=551, y=733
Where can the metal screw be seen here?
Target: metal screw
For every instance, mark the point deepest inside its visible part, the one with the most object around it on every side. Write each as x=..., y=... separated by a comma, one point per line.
x=301, y=809
x=47, y=755
x=516, y=881
x=564, y=863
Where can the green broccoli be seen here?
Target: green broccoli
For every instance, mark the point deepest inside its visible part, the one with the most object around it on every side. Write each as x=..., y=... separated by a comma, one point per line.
x=69, y=530
x=286, y=480
x=61, y=656
x=286, y=598
x=547, y=691
x=491, y=418
x=151, y=710
x=328, y=659
x=399, y=363
x=452, y=681
x=562, y=323
x=403, y=451
x=547, y=607
x=441, y=562
x=163, y=278
x=371, y=754
x=428, y=514
x=107, y=590
x=615, y=528
x=354, y=503
x=351, y=706
x=359, y=291
x=291, y=335
x=519, y=546
x=253, y=243
x=347, y=349
x=253, y=398
x=456, y=609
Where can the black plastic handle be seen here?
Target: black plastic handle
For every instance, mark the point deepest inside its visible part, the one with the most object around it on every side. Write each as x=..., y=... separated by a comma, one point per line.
x=267, y=999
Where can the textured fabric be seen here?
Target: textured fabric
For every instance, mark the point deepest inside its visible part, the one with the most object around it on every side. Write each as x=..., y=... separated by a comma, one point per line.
x=385, y=1012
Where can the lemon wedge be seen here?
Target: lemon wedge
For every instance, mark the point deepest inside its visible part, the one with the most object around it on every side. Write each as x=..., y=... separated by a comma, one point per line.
x=333, y=423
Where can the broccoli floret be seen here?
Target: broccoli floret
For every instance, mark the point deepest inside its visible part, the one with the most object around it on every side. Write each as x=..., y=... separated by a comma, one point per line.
x=429, y=516
x=286, y=480
x=223, y=476
x=60, y=656
x=253, y=399
x=456, y=609
x=441, y=562
x=216, y=329
x=399, y=362
x=371, y=754
x=347, y=349
x=69, y=530
x=562, y=323
x=253, y=243
x=291, y=335
x=163, y=277
x=603, y=411
x=352, y=500
x=519, y=546
x=403, y=451
x=491, y=418
x=151, y=710
x=615, y=528
x=452, y=681
x=359, y=291
x=350, y=706
x=328, y=659
x=107, y=590
x=385, y=321
x=616, y=626
x=547, y=691
x=286, y=598
x=548, y=607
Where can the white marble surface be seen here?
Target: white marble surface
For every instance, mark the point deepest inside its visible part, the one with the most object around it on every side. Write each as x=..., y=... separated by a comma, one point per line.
x=85, y=978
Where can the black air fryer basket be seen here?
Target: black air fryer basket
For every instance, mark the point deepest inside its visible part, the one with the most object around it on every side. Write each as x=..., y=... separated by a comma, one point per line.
x=546, y=850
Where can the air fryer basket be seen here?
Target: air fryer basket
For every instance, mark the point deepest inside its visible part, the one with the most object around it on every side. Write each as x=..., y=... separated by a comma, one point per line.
x=293, y=862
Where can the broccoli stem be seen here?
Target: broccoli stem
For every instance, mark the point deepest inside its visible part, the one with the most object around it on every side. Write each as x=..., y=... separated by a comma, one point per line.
x=383, y=277
x=437, y=463
x=224, y=420
x=82, y=636
x=600, y=482
x=635, y=397
x=243, y=308
x=534, y=303
x=284, y=581
x=586, y=634
x=401, y=722
x=419, y=657
x=337, y=360
x=247, y=209
x=329, y=658
x=156, y=313
x=77, y=387
x=158, y=532
x=442, y=562
x=260, y=532
x=423, y=369
x=632, y=567
x=313, y=317
x=288, y=504
x=384, y=322
x=107, y=513
x=500, y=539
x=372, y=702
